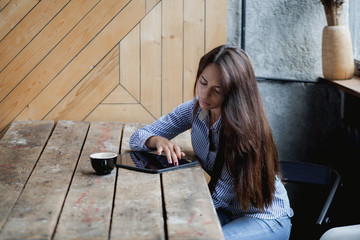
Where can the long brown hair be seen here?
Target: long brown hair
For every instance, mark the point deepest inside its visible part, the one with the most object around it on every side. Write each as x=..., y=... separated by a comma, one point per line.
x=247, y=144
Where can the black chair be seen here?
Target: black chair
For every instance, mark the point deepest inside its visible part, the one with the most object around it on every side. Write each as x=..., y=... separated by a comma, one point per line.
x=311, y=189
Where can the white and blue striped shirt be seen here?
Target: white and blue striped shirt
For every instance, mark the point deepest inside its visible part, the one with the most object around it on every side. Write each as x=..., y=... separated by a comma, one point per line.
x=180, y=120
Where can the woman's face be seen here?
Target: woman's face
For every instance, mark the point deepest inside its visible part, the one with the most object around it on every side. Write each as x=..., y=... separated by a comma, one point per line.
x=209, y=90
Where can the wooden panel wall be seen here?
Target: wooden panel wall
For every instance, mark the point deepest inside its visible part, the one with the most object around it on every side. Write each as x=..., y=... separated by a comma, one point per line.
x=104, y=60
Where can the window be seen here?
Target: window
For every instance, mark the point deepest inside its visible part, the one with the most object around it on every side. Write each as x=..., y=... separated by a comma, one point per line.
x=354, y=24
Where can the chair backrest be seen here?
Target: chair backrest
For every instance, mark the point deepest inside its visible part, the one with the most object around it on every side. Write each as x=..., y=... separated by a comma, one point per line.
x=311, y=189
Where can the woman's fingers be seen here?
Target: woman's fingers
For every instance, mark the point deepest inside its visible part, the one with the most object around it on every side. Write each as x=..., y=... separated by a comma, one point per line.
x=168, y=154
x=174, y=158
x=171, y=154
x=177, y=151
x=172, y=151
x=179, y=154
x=159, y=150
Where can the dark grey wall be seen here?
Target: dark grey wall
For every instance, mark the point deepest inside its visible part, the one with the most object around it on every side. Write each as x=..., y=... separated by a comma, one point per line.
x=304, y=118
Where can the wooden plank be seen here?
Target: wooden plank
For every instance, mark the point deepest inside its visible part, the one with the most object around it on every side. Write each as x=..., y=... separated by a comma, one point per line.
x=37, y=210
x=3, y=4
x=138, y=207
x=151, y=61
x=129, y=129
x=119, y=95
x=86, y=215
x=20, y=148
x=13, y=13
x=189, y=208
x=90, y=91
x=194, y=42
x=150, y=4
x=130, y=62
x=27, y=29
x=89, y=57
x=216, y=12
x=172, y=54
x=33, y=53
x=4, y=131
x=120, y=112
x=44, y=83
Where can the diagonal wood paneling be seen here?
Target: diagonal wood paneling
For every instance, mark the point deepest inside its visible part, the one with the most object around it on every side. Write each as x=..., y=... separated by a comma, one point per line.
x=26, y=30
x=13, y=13
x=60, y=61
x=85, y=60
x=3, y=4
x=108, y=60
x=92, y=89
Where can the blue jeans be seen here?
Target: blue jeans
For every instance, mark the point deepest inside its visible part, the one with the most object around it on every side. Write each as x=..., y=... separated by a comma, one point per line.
x=255, y=228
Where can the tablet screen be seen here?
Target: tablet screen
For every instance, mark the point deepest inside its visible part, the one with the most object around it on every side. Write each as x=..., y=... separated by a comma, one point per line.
x=150, y=162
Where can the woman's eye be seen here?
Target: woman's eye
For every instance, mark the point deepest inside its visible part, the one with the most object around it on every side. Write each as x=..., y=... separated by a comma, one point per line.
x=202, y=82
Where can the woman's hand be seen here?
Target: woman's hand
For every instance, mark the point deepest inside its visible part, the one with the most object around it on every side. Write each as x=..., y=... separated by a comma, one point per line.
x=172, y=151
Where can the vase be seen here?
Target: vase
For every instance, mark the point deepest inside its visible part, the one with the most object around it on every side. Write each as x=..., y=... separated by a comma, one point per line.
x=337, y=53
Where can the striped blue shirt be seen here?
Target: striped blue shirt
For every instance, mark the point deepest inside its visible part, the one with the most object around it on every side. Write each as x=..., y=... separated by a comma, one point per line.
x=180, y=120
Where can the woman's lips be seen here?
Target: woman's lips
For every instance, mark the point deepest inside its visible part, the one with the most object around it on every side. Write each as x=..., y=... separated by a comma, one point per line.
x=204, y=103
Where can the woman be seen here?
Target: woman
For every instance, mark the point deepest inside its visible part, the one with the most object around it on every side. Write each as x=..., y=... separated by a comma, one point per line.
x=233, y=141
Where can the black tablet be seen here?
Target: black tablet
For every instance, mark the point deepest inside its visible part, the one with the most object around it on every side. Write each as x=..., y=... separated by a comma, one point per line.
x=150, y=162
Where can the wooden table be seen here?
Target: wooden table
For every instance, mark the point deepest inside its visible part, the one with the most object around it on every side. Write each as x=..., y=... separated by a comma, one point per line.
x=48, y=189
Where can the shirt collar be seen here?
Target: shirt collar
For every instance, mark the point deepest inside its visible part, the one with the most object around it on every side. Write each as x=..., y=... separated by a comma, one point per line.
x=204, y=117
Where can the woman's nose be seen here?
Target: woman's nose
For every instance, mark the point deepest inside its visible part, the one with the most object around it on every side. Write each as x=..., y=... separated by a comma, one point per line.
x=208, y=93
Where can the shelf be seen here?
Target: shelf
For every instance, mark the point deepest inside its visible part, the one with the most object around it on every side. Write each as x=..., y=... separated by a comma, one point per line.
x=351, y=86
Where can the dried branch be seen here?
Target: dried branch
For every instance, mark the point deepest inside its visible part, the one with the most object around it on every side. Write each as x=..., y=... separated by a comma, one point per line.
x=333, y=11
